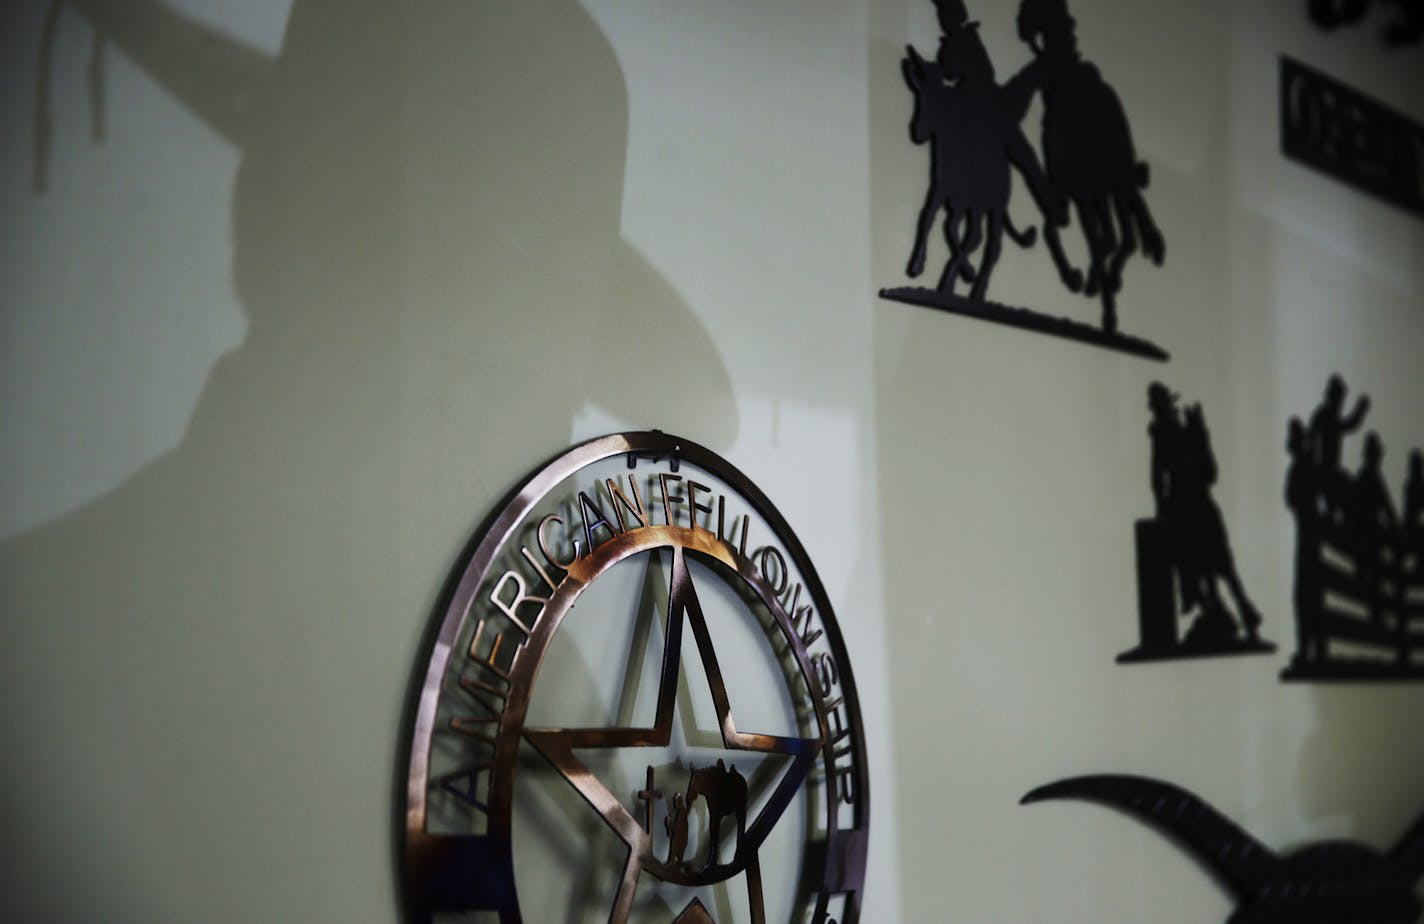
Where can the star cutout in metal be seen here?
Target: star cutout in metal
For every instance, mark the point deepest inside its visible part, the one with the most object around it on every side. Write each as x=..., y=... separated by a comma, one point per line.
x=558, y=745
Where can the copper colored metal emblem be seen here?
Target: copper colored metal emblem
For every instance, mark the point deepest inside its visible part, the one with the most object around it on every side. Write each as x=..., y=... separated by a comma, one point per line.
x=637, y=705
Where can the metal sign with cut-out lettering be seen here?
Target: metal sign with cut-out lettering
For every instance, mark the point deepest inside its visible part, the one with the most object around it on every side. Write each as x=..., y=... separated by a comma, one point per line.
x=638, y=700
x=1347, y=135
x=1088, y=173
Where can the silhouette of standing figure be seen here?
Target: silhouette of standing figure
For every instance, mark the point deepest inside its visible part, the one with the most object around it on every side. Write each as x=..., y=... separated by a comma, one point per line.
x=1375, y=525
x=1329, y=425
x=1303, y=499
x=1089, y=155
x=676, y=826
x=422, y=218
x=1414, y=507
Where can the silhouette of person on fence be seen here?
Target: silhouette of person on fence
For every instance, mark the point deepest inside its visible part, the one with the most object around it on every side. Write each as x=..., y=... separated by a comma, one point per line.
x=1183, y=473
x=1374, y=526
x=1089, y=155
x=1303, y=499
x=1414, y=508
x=1329, y=425
x=1375, y=552
x=972, y=126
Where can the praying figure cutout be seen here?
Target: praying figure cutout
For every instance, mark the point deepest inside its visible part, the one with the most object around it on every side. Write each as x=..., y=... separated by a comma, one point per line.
x=676, y=826
x=1359, y=561
x=1183, y=553
x=1088, y=170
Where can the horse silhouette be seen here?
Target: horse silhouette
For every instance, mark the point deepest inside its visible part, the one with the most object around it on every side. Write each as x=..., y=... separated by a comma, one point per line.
x=725, y=791
x=1331, y=882
x=1089, y=155
x=972, y=127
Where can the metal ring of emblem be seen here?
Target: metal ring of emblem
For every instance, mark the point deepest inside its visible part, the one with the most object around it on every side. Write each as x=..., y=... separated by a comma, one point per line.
x=491, y=641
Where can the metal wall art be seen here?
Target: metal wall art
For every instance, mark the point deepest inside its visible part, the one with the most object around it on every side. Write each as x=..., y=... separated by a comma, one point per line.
x=1331, y=882
x=1183, y=553
x=971, y=125
x=1357, y=140
x=1359, y=564
x=695, y=815
x=1405, y=27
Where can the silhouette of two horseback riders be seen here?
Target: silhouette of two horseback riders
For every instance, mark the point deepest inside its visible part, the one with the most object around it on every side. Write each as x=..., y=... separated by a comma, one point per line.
x=972, y=125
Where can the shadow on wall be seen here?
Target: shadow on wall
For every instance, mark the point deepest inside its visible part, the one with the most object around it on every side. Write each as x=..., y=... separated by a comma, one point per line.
x=1355, y=750
x=426, y=232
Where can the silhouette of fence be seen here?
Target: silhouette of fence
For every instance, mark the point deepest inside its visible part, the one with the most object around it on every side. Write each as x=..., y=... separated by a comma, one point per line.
x=1360, y=581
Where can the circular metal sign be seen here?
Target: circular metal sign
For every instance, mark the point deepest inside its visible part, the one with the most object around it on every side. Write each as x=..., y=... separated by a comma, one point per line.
x=638, y=707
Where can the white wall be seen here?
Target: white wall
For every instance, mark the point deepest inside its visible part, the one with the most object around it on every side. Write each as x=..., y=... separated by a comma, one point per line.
x=267, y=357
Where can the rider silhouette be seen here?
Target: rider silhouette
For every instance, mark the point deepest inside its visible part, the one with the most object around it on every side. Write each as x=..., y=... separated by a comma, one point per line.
x=1089, y=155
x=1183, y=473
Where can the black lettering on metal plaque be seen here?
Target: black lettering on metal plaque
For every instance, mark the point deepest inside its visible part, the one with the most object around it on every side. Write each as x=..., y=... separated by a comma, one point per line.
x=1330, y=882
x=1351, y=137
x=716, y=766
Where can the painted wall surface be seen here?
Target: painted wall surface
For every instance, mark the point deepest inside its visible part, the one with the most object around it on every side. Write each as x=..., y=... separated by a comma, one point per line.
x=338, y=275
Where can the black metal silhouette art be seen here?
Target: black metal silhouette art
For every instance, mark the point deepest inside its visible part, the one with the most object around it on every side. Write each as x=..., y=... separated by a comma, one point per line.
x=1359, y=564
x=1341, y=132
x=1089, y=168
x=1183, y=553
x=725, y=792
x=1406, y=28
x=973, y=131
x=675, y=824
x=1331, y=882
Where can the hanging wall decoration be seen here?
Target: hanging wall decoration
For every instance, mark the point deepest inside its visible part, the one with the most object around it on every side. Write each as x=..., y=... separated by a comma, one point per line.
x=1332, y=882
x=1089, y=171
x=726, y=767
x=1405, y=25
x=1183, y=553
x=1345, y=134
x=1359, y=564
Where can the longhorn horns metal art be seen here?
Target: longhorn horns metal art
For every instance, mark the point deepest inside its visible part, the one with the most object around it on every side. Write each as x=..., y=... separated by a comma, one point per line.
x=1330, y=882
